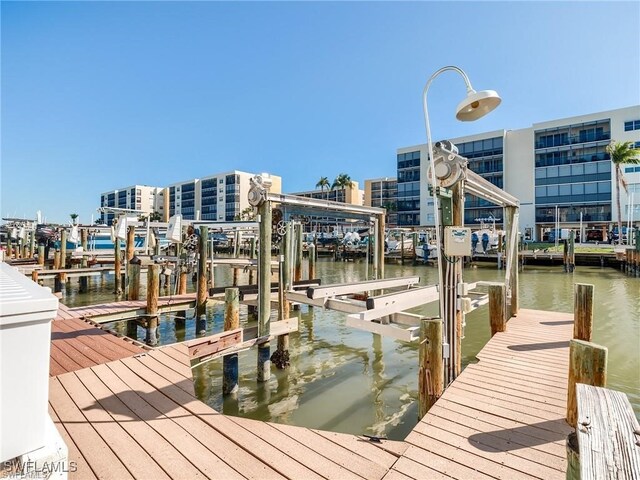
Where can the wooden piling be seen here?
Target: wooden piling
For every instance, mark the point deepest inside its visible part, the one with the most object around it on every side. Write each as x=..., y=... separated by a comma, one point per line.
x=572, y=252
x=133, y=287
x=280, y=357
x=402, y=248
x=32, y=244
x=202, y=294
x=573, y=457
x=497, y=308
x=84, y=280
x=231, y=322
x=588, y=365
x=63, y=249
x=379, y=252
x=264, y=290
x=510, y=218
x=431, y=366
x=117, y=265
x=153, y=291
x=40, y=254
x=583, y=312
x=414, y=238
x=312, y=261
x=34, y=275
x=56, y=260
x=9, y=248
x=252, y=256
x=297, y=273
x=131, y=242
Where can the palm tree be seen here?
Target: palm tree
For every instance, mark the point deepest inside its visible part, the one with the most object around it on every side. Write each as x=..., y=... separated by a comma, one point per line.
x=73, y=216
x=342, y=181
x=155, y=217
x=621, y=152
x=322, y=184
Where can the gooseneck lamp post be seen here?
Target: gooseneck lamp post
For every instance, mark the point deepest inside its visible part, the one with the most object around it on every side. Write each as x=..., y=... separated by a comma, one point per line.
x=476, y=105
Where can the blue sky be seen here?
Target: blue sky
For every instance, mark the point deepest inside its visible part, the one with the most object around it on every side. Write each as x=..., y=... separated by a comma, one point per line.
x=102, y=95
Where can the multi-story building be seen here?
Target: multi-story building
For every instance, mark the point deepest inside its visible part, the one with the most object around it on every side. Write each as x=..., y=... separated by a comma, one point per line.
x=350, y=195
x=383, y=192
x=559, y=163
x=141, y=199
x=219, y=197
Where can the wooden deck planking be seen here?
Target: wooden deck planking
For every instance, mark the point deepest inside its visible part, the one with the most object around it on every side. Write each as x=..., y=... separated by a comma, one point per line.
x=503, y=417
x=76, y=344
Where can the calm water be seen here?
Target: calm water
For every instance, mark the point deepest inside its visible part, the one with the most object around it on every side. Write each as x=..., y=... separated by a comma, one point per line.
x=351, y=381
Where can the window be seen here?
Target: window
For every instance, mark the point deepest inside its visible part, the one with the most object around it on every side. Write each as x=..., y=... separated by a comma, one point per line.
x=632, y=125
x=631, y=169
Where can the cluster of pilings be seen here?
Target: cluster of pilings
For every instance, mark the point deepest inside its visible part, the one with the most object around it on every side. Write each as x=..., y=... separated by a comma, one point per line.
x=631, y=261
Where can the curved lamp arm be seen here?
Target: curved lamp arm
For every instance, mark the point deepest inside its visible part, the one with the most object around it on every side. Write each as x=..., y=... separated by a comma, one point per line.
x=432, y=172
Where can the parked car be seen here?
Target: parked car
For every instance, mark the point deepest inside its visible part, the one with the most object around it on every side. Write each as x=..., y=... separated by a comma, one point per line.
x=594, y=235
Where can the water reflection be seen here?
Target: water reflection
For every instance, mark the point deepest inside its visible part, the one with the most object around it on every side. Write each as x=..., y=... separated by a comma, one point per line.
x=352, y=381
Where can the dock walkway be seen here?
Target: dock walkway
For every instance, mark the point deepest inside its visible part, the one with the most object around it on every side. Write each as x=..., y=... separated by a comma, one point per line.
x=137, y=417
x=127, y=309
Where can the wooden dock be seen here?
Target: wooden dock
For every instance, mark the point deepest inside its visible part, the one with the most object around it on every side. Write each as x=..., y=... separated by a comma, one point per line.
x=503, y=417
x=124, y=310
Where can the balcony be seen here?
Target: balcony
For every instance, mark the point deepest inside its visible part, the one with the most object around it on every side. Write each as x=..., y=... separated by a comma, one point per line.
x=572, y=139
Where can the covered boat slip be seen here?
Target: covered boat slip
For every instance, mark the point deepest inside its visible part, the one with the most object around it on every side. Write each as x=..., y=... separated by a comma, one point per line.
x=503, y=417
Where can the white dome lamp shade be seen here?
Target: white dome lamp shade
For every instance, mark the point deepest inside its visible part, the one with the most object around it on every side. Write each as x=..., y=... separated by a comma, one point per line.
x=477, y=105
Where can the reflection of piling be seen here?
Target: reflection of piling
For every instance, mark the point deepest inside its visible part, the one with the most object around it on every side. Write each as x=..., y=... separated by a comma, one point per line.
x=231, y=322
x=58, y=282
x=201, y=299
x=431, y=366
x=132, y=329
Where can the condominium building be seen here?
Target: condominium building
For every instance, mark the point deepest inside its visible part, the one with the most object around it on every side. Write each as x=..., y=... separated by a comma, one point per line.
x=217, y=197
x=383, y=193
x=141, y=199
x=558, y=163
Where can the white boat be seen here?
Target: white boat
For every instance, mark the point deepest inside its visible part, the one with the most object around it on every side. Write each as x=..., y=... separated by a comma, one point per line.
x=487, y=237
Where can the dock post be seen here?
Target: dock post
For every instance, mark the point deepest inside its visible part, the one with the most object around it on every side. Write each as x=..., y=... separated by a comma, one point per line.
x=280, y=357
x=512, y=223
x=415, y=246
x=588, y=365
x=41, y=255
x=9, y=247
x=32, y=245
x=312, y=261
x=231, y=322
x=117, y=266
x=56, y=260
x=573, y=457
x=131, y=242
x=379, y=252
x=431, y=368
x=63, y=249
x=202, y=295
x=133, y=287
x=34, y=275
x=297, y=273
x=572, y=251
x=402, y=248
x=264, y=289
x=583, y=312
x=84, y=280
x=252, y=256
x=153, y=291
x=497, y=308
